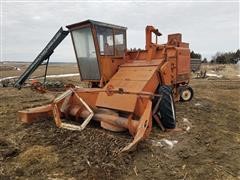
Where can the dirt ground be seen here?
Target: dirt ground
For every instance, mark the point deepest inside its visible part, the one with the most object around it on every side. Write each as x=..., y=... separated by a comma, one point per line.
x=209, y=150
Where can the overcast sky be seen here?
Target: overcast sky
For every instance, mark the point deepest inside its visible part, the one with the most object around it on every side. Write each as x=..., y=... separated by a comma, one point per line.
x=27, y=27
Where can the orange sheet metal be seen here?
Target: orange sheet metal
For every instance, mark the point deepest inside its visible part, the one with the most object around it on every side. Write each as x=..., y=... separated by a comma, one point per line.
x=144, y=63
x=130, y=78
x=35, y=114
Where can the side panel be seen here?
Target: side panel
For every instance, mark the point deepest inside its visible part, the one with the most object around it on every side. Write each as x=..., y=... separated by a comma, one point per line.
x=130, y=79
x=168, y=69
x=183, y=65
x=151, y=86
x=109, y=66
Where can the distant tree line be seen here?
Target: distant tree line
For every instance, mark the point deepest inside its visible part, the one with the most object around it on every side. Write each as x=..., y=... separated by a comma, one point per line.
x=194, y=55
x=226, y=58
x=219, y=58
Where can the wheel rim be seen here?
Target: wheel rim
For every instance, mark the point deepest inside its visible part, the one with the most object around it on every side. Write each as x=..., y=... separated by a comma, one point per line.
x=186, y=94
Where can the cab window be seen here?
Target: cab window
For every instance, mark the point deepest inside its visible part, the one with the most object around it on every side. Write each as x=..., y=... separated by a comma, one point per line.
x=105, y=40
x=120, y=42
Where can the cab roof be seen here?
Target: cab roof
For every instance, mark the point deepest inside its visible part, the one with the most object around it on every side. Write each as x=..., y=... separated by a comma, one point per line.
x=95, y=23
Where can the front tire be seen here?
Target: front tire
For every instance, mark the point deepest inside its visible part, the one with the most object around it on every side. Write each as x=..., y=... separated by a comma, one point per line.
x=166, y=108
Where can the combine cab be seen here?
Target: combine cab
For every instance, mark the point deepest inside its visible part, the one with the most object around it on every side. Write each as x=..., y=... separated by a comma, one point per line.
x=129, y=88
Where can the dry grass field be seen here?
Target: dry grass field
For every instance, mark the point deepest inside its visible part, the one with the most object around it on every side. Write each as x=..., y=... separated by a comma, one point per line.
x=52, y=69
x=209, y=150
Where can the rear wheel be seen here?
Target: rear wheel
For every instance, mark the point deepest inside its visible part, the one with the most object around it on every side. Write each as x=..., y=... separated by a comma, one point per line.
x=186, y=94
x=166, y=108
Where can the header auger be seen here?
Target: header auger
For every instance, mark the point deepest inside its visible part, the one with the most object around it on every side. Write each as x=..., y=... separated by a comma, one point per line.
x=129, y=87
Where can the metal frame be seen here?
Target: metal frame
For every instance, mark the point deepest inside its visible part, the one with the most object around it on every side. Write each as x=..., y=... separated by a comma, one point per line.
x=56, y=113
x=45, y=74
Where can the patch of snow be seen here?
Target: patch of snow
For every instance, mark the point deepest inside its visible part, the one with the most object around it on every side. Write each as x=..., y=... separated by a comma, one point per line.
x=48, y=76
x=214, y=75
x=8, y=78
x=185, y=120
x=197, y=104
x=156, y=143
x=169, y=143
x=62, y=75
x=187, y=124
x=165, y=143
x=188, y=128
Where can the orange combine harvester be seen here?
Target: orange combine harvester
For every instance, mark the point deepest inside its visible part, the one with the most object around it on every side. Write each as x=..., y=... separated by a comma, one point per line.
x=129, y=88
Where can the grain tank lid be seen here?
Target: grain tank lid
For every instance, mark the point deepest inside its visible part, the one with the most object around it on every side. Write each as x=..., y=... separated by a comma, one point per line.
x=71, y=26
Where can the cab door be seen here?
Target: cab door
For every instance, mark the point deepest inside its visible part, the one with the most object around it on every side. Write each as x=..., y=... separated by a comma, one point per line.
x=85, y=51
